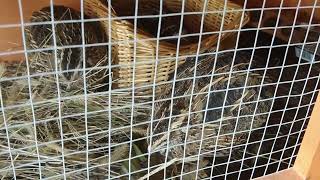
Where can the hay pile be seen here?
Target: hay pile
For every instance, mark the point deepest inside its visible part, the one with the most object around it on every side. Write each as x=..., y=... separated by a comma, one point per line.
x=34, y=128
x=19, y=119
x=214, y=122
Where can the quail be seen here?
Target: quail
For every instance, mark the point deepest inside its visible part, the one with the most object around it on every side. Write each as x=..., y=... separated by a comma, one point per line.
x=221, y=96
x=69, y=51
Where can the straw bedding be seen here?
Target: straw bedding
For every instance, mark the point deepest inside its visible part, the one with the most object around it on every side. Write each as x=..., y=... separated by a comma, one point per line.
x=72, y=109
x=48, y=118
x=19, y=119
x=54, y=104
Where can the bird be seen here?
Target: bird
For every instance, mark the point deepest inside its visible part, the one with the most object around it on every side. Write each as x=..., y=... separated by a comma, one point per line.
x=69, y=59
x=214, y=123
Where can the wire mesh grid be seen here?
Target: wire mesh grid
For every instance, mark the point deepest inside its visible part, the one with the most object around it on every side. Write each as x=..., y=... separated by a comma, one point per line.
x=236, y=112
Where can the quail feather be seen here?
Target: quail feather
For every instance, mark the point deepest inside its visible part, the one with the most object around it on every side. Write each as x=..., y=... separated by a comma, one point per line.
x=69, y=51
x=222, y=117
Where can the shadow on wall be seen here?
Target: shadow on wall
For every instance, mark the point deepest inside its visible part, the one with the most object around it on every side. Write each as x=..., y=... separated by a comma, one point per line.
x=10, y=37
x=304, y=14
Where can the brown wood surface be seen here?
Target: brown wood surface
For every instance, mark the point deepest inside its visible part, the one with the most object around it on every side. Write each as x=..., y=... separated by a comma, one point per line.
x=11, y=38
x=288, y=174
x=308, y=161
x=303, y=15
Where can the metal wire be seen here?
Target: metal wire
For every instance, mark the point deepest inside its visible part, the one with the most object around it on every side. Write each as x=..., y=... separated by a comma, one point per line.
x=248, y=159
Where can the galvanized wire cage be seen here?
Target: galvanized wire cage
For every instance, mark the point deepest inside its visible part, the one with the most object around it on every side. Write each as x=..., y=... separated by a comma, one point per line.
x=234, y=104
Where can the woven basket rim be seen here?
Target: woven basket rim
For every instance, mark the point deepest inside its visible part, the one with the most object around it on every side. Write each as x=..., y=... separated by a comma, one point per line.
x=122, y=31
x=164, y=45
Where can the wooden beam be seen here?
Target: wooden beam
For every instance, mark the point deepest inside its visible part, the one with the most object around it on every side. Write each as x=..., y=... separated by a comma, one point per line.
x=308, y=161
x=288, y=174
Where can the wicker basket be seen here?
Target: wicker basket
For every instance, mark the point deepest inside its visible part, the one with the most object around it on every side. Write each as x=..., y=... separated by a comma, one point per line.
x=122, y=33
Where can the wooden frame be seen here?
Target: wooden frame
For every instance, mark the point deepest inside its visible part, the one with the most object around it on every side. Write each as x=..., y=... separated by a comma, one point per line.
x=308, y=160
x=288, y=174
x=307, y=164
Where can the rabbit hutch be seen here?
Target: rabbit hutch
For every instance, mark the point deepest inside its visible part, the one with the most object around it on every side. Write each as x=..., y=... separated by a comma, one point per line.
x=159, y=89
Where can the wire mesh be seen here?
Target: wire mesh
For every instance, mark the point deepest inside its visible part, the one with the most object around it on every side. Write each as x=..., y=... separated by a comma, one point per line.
x=233, y=109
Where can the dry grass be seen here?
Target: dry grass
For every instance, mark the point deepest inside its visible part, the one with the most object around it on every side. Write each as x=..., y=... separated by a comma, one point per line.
x=89, y=132
x=47, y=116
x=58, y=117
x=46, y=111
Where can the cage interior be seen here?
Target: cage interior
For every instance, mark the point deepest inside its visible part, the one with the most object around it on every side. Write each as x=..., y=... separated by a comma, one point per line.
x=237, y=112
